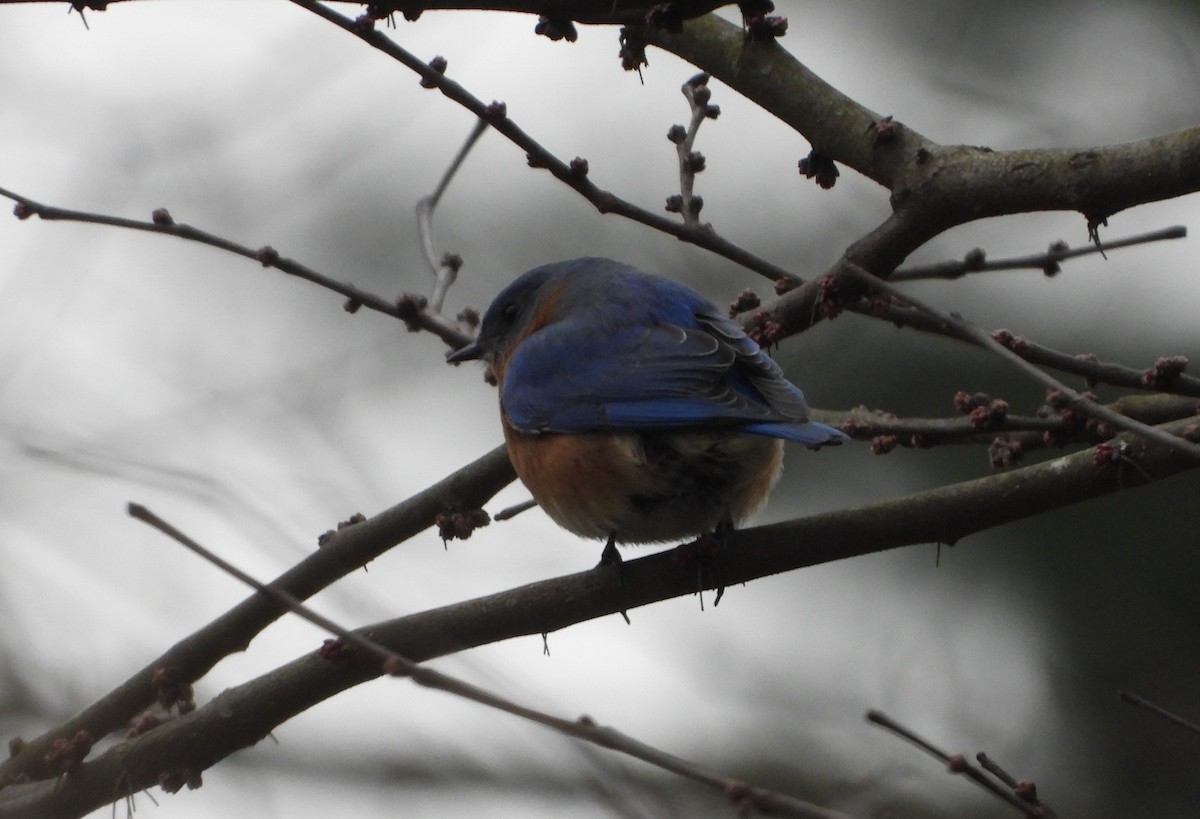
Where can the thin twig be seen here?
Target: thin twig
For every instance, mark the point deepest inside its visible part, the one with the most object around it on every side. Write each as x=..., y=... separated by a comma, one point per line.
x=956, y=326
x=444, y=268
x=956, y=763
x=267, y=256
x=976, y=262
x=514, y=510
x=585, y=729
x=573, y=174
x=697, y=93
x=1134, y=699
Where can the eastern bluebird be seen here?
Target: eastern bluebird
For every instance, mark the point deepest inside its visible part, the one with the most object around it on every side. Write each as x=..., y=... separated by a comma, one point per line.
x=634, y=410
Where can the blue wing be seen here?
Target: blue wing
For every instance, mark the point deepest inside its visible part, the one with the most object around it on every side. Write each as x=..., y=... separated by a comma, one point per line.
x=587, y=374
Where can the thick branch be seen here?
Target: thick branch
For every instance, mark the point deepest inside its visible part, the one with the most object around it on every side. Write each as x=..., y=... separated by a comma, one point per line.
x=345, y=551
x=934, y=187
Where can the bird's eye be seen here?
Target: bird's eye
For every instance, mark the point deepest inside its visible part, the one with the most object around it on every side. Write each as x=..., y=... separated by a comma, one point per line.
x=510, y=312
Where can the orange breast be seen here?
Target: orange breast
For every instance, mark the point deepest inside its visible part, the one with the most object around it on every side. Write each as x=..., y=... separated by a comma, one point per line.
x=645, y=487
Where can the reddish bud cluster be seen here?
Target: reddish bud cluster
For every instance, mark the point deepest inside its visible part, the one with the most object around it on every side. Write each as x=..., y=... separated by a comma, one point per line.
x=830, y=298
x=1105, y=454
x=66, y=755
x=495, y=110
x=766, y=331
x=964, y=402
x=452, y=261
x=677, y=134
x=23, y=210
x=746, y=300
x=1004, y=452
x=1164, y=371
x=984, y=412
x=333, y=650
x=883, y=444
x=161, y=216
x=172, y=691
x=693, y=162
x=884, y=130
x=267, y=256
x=460, y=524
x=786, y=284
x=820, y=168
x=1004, y=338
x=579, y=167
x=990, y=417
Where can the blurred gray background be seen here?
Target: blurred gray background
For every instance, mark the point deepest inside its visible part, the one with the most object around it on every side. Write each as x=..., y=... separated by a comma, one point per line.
x=252, y=412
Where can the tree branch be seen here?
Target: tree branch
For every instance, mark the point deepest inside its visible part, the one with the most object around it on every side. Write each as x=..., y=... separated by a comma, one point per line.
x=241, y=716
x=342, y=552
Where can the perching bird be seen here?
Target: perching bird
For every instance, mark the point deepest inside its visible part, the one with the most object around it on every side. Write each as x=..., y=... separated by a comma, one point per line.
x=634, y=410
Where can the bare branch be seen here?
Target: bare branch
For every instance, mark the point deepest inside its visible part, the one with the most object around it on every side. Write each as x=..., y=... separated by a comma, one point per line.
x=267, y=256
x=956, y=326
x=443, y=267
x=955, y=763
x=341, y=553
x=584, y=728
x=574, y=174
x=1048, y=262
x=242, y=715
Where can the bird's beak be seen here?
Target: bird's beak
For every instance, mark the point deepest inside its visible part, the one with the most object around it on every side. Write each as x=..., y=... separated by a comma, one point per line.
x=471, y=352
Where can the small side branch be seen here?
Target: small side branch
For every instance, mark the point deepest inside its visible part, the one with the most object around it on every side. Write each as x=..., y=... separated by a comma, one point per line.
x=1049, y=262
x=443, y=266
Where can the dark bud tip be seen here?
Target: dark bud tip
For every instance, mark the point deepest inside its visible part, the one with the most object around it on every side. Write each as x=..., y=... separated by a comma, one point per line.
x=746, y=300
x=162, y=216
x=884, y=130
x=765, y=27
x=556, y=29
x=786, y=285
x=267, y=255
x=438, y=66
x=974, y=259
x=819, y=168
x=677, y=134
